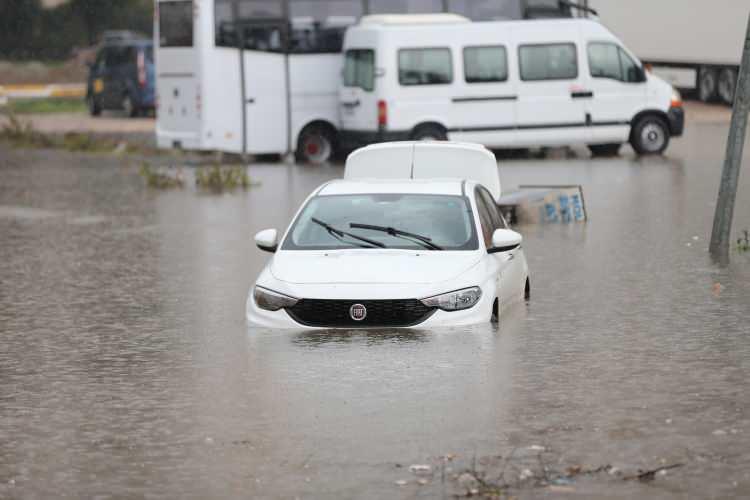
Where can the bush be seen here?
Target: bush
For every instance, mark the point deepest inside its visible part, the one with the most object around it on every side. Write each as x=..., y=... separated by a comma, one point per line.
x=218, y=178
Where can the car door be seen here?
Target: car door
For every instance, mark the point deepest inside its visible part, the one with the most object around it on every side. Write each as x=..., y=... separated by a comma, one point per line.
x=618, y=88
x=511, y=263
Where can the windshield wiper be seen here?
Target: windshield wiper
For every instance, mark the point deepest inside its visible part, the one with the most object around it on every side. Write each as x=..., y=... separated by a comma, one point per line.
x=415, y=238
x=339, y=235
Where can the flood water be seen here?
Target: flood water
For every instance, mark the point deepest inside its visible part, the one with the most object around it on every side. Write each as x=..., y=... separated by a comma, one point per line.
x=127, y=369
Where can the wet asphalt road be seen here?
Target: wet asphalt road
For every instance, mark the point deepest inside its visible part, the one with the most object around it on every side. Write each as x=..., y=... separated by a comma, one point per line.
x=127, y=370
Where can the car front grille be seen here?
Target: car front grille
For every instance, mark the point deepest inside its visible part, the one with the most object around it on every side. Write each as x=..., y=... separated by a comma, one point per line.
x=380, y=313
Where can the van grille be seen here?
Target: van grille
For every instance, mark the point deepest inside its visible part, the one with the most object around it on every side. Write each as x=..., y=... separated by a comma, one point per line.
x=380, y=313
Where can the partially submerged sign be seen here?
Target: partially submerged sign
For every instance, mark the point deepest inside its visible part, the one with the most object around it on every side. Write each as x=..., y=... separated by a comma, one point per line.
x=425, y=160
x=542, y=204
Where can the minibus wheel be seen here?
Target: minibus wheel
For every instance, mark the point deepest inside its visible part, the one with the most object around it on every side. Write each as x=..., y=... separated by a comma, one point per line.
x=315, y=145
x=429, y=132
x=604, y=149
x=650, y=135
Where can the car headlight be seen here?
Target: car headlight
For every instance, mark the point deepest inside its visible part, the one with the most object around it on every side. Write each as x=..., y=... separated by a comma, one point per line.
x=272, y=301
x=455, y=301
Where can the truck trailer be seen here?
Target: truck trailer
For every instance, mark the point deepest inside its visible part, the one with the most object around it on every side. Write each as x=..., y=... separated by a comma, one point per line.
x=693, y=44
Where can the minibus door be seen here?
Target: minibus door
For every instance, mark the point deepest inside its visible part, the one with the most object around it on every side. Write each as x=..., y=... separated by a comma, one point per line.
x=265, y=84
x=357, y=100
x=552, y=94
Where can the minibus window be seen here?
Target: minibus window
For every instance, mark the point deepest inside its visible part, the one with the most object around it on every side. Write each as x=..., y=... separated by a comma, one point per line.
x=359, y=69
x=318, y=26
x=225, y=32
x=424, y=66
x=176, y=24
x=485, y=64
x=556, y=61
x=630, y=70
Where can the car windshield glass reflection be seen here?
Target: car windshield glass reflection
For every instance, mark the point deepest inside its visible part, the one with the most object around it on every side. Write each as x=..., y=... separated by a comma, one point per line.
x=442, y=222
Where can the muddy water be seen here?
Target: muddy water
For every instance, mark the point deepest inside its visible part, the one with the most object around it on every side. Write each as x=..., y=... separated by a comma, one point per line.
x=126, y=368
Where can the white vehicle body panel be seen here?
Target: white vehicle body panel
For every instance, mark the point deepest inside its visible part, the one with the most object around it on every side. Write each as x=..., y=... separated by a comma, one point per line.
x=425, y=160
x=355, y=274
x=509, y=113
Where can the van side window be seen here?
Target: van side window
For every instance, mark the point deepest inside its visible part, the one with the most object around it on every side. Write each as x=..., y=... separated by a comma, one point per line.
x=359, y=69
x=557, y=61
x=485, y=64
x=424, y=66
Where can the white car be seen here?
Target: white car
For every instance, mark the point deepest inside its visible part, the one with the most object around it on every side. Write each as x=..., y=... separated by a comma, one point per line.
x=411, y=237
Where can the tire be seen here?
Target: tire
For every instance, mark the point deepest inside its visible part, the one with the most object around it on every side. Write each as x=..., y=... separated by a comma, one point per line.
x=650, y=135
x=707, y=84
x=316, y=145
x=130, y=109
x=429, y=133
x=604, y=150
x=727, y=85
x=94, y=108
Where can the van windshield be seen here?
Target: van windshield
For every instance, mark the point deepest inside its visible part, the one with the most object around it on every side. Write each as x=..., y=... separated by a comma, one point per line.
x=444, y=220
x=359, y=69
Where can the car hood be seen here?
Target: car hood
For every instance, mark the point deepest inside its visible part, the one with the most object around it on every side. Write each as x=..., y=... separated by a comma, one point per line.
x=360, y=266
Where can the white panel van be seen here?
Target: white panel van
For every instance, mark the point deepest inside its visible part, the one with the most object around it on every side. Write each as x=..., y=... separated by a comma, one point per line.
x=503, y=84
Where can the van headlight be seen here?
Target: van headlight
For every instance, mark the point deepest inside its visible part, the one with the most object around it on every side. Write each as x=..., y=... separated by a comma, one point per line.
x=272, y=301
x=455, y=301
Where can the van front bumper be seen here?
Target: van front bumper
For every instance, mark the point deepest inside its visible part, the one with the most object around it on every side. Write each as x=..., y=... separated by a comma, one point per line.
x=676, y=117
x=353, y=139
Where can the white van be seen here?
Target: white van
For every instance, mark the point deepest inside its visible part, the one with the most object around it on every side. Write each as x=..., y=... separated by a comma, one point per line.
x=502, y=84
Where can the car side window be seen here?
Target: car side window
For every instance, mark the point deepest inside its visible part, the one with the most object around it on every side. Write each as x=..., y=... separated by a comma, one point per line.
x=497, y=219
x=485, y=219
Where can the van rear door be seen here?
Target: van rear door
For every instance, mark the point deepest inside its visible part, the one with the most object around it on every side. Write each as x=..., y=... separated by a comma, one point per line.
x=357, y=99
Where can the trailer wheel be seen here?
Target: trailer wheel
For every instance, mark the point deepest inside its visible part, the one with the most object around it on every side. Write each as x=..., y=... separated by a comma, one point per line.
x=650, y=135
x=604, y=149
x=315, y=145
x=707, y=84
x=727, y=85
x=429, y=132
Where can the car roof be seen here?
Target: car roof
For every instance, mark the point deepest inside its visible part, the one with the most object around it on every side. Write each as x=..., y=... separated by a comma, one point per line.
x=454, y=187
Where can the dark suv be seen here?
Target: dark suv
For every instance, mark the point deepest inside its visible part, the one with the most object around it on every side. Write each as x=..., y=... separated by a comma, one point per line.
x=122, y=77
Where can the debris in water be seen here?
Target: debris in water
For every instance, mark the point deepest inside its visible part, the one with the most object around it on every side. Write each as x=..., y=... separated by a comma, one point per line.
x=420, y=469
x=719, y=432
x=467, y=481
x=649, y=475
x=536, y=447
x=525, y=474
x=401, y=482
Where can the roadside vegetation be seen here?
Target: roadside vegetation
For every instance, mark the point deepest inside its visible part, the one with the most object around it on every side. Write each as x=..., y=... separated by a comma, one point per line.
x=743, y=242
x=215, y=179
x=43, y=106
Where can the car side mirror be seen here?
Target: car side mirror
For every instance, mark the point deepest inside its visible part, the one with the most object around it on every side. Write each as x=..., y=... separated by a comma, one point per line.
x=504, y=240
x=267, y=240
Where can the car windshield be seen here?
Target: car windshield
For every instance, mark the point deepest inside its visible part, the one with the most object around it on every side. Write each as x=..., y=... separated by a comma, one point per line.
x=445, y=219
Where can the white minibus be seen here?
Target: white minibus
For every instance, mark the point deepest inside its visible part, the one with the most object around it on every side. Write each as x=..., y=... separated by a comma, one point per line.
x=508, y=84
x=262, y=76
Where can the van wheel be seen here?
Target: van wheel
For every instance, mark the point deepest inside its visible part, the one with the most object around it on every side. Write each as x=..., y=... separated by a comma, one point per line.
x=727, y=85
x=707, y=84
x=650, y=135
x=604, y=149
x=94, y=108
x=315, y=145
x=429, y=133
x=129, y=107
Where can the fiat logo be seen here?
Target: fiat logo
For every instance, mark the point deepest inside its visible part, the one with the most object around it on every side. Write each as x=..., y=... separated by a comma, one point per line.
x=358, y=312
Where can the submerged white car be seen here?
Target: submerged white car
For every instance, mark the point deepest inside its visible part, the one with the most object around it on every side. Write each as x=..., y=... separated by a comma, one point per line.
x=411, y=237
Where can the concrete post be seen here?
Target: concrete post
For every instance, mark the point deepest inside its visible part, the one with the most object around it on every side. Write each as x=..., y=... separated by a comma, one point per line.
x=721, y=233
